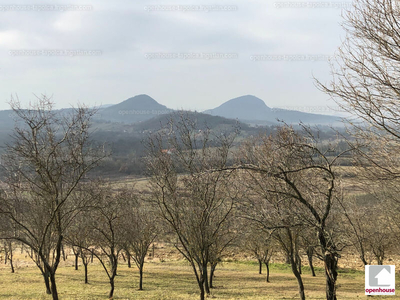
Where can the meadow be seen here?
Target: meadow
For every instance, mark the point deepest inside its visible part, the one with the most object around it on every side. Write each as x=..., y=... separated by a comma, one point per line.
x=174, y=280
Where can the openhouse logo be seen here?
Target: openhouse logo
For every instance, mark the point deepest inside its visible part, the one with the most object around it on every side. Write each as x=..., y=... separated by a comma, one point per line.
x=379, y=280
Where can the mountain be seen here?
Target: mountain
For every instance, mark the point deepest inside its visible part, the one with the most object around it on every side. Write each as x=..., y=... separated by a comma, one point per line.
x=242, y=108
x=132, y=110
x=253, y=110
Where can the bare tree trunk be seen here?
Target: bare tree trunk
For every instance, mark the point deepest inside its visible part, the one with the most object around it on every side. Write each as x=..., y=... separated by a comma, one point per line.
x=201, y=286
x=362, y=257
x=205, y=279
x=114, y=261
x=310, y=262
x=298, y=262
x=128, y=256
x=291, y=254
x=310, y=251
x=86, y=273
x=76, y=259
x=287, y=259
x=12, y=264
x=379, y=258
x=111, y=294
x=141, y=277
x=213, y=267
x=54, y=292
x=5, y=253
x=85, y=262
x=299, y=279
x=267, y=265
x=64, y=256
x=47, y=282
x=11, y=257
x=331, y=275
x=45, y=275
x=57, y=258
x=259, y=266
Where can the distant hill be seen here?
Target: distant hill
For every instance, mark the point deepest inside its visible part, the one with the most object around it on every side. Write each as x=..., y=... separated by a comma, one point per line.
x=6, y=126
x=202, y=120
x=251, y=109
x=132, y=119
x=124, y=126
x=7, y=118
x=242, y=108
x=133, y=110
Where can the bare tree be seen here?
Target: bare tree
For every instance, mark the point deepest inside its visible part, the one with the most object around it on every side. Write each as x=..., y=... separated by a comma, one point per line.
x=50, y=155
x=365, y=81
x=291, y=170
x=259, y=244
x=197, y=203
x=108, y=230
x=309, y=243
x=86, y=257
x=274, y=216
x=220, y=247
x=365, y=84
x=141, y=228
x=288, y=238
x=79, y=237
x=77, y=252
x=379, y=234
x=8, y=248
x=355, y=220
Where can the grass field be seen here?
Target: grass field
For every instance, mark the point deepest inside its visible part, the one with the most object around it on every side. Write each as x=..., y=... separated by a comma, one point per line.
x=175, y=280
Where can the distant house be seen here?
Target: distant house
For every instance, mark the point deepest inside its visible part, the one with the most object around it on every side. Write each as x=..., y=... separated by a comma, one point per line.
x=168, y=151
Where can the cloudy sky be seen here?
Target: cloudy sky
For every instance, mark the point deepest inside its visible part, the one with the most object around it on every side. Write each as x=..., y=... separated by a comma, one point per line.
x=192, y=54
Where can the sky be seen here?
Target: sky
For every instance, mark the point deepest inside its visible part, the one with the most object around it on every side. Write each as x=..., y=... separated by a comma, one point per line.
x=192, y=54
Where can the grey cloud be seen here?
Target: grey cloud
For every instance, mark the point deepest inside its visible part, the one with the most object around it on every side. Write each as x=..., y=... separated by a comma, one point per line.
x=124, y=31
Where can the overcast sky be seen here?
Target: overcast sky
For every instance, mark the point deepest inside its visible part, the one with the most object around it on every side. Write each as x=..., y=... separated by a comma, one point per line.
x=194, y=56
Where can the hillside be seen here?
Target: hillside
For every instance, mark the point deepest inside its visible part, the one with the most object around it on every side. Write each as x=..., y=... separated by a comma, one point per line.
x=133, y=110
x=251, y=109
x=201, y=119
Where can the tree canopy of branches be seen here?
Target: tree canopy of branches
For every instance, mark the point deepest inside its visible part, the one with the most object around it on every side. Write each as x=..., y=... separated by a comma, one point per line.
x=198, y=203
x=299, y=183
x=107, y=224
x=141, y=228
x=365, y=82
x=45, y=165
x=259, y=244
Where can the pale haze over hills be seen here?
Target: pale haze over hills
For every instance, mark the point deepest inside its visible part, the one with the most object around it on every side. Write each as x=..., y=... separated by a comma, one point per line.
x=134, y=109
x=248, y=109
x=251, y=109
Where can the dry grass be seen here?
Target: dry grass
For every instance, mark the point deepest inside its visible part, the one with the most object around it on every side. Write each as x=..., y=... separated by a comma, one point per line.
x=175, y=280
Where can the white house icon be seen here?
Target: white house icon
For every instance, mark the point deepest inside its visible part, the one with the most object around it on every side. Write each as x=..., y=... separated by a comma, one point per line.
x=384, y=277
